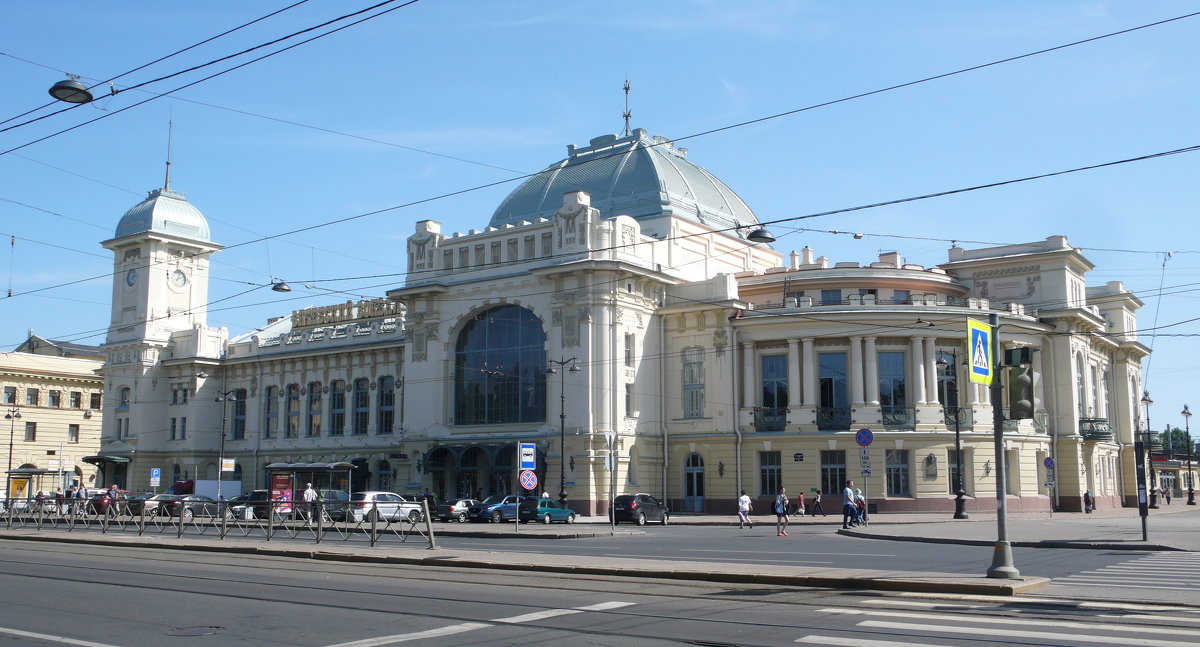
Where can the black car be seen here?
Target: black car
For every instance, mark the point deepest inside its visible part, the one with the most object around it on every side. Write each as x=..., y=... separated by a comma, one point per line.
x=189, y=505
x=640, y=508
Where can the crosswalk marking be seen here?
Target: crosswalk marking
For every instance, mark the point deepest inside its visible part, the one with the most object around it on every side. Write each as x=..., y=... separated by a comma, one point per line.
x=1157, y=571
x=856, y=642
x=1138, y=641
x=1005, y=621
x=470, y=626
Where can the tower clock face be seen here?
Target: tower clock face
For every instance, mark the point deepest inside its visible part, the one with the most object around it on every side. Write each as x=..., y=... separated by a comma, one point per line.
x=179, y=278
x=131, y=277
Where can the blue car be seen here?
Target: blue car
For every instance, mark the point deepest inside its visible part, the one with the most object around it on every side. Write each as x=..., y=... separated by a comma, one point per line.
x=496, y=508
x=544, y=510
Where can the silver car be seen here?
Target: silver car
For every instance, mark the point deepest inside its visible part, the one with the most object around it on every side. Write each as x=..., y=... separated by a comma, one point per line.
x=382, y=506
x=454, y=509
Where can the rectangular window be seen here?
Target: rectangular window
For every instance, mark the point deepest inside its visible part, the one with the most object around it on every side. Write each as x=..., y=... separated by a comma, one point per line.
x=774, y=382
x=55, y=399
x=362, y=406
x=270, y=411
x=479, y=255
x=629, y=341
x=862, y=292
x=833, y=407
x=97, y=401
x=314, y=410
x=898, y=476
x=10, y=395
x=30, y=432
x=31, y=397
x=239, y=414
x=293, y=412
x=75, y=400
x=529, y=246
x=448, y=259
x=183, y=429
x=123, y=428
x=387, y=404
x=171, y=429
x=629, y=400
x=547, y=244
x=496, y=253
x=1009, y=476
x=770, y=473
x=464, y=257
x=901, y=297
x=833, y=471
x=693, y=383
x=512, y=250
x=892, y=398
x=337, y=408
x=73, y=434
x=831, y=297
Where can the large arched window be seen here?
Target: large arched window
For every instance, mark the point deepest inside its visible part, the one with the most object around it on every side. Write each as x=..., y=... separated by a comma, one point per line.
x=500, y=368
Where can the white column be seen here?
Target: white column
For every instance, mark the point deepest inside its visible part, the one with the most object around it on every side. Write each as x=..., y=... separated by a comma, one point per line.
x=810, y=373
x=793, y=373
x=856, y=371
x=872, y=379
x=750, y=388
x=917, y=374
x=931, y=370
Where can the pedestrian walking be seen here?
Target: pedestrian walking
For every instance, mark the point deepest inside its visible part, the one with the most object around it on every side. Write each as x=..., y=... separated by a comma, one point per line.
x=816, y=505
x=860, y=505
x=781, y=512
x=849, y=506
x=310, y=499
x=1089, y=502
x=1166, y=490
x=744, y=506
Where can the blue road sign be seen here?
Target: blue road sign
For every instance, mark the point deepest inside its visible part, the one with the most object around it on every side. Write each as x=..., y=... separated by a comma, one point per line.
x=979, y=343
x=864, y=437
x=528, y=456
x=1049, y=463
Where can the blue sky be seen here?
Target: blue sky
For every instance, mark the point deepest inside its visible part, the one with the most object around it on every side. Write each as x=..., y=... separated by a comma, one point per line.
x=445, y=96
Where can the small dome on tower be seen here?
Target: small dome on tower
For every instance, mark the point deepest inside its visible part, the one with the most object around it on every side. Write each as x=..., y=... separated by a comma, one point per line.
x=165, y=212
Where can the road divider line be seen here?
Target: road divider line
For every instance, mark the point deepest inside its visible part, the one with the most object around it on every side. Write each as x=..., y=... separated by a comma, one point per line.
x=537, y=615
x=420, y=635
x=1017, y=633
x=51, y=638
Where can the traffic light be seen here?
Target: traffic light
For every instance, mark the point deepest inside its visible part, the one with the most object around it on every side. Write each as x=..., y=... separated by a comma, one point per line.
x=1020, y=392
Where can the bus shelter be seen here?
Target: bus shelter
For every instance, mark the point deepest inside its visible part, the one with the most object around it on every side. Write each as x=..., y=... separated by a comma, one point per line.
x=287, y=480
x=25, y=483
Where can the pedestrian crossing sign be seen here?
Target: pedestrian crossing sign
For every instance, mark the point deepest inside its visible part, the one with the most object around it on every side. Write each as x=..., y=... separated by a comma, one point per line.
x=979, y=342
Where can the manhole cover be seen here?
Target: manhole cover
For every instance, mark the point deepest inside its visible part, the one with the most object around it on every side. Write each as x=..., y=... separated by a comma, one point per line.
x=195, y=631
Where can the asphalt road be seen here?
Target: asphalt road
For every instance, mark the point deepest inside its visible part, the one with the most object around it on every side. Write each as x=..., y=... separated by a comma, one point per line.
x=126, y=597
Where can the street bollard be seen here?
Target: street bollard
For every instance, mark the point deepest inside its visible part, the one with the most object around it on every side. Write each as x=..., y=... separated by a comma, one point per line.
x=428, y=524
x=374, y=521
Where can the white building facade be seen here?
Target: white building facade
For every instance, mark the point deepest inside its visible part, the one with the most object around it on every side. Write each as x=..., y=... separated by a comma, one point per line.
x=689, y=362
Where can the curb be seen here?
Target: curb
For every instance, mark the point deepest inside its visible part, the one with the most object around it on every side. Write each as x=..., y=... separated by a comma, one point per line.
x=1048, y=543
x=967, y=584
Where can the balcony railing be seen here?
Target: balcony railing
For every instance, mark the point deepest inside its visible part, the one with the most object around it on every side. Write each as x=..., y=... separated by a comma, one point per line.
x=1095, y=429
x=829, y=418
x=965, y=417
x=770, y=419
x=898, y=418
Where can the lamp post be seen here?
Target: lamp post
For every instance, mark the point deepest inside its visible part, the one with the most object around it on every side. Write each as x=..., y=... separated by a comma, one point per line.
x=1187, y=431
x=222, y=397
x=1153, y=485
x=562, y=424
x=960, y=500
x=13, y=414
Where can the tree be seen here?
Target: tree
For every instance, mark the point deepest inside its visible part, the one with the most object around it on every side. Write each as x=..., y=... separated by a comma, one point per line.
x=1176, y=442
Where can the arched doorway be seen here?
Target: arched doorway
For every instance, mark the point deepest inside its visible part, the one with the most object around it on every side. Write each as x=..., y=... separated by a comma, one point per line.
x=502, y=473
x=471, y=472
x=441, y=468
x=693, y=483
x=360, y=476
x=385, y=476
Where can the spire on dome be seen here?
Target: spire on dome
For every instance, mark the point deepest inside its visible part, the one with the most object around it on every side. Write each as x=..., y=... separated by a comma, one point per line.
x=170, y=129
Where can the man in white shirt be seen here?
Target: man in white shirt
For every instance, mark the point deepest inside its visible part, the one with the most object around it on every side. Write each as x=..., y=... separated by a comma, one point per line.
x=849, y=507
x=744, y=511
x=310, y=498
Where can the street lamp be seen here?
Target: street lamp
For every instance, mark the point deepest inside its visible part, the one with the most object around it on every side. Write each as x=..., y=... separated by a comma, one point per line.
x=960, y=500
x=562, y=424
x=13, y=414
x=1187, y=431
x=1153, y=485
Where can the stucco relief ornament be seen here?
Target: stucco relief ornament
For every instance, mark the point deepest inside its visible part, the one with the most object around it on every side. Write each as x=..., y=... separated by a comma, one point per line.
x=720, y=341
x=556, y=317
x=585, y=314
x=983, y=289
x=1031, y=285
x=254, y=387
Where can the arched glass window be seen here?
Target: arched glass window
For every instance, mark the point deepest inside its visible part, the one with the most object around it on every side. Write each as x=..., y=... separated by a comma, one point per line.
x=500, y=368
x=314, y=410
x=1080, y=390
x=387, y=405
x=293, y=411
x=337, y=407
x=270, y=411
x=362, y=406
x=123, y=398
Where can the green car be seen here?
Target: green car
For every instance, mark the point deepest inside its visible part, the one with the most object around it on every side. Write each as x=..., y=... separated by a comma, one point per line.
x=545, y=510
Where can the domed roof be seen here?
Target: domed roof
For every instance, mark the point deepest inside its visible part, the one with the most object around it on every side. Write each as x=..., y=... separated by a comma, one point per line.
x=164, y=212
x=636, y=175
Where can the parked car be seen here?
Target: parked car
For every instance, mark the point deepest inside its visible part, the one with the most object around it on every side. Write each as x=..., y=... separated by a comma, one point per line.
x=145, y=504
x=383, y=506
x=496, y=508
x=102, y=503
x=456, y=509
x=333, y=503
x=640, y=508
x=544, y=510
x=189, y=505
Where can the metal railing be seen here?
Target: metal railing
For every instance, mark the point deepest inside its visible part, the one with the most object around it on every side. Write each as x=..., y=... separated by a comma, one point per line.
x=898, y=418
x=770, y=419
x=320, y=521
x=1097, y=429
x=833, y=418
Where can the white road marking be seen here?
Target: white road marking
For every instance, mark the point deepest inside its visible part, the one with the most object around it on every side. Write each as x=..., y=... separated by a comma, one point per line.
x=1004, y=621
x=50, y=638
x=856, y=642
x=1138, y=641
x=1110, y=584
x=455, y=629
x=420, y=635
x=759, y=552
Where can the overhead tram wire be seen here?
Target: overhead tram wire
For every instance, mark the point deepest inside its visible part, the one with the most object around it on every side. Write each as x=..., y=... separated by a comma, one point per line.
x=211, y=76
x=143, y=66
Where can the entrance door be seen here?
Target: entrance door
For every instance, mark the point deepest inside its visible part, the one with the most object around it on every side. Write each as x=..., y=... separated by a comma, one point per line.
x=693, y=483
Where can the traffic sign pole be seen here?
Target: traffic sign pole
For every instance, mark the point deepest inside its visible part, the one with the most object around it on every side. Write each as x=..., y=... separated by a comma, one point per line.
x=1002, y=559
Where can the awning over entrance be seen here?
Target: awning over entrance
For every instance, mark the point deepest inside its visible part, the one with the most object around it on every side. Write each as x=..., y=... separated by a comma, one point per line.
x=105, y=458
